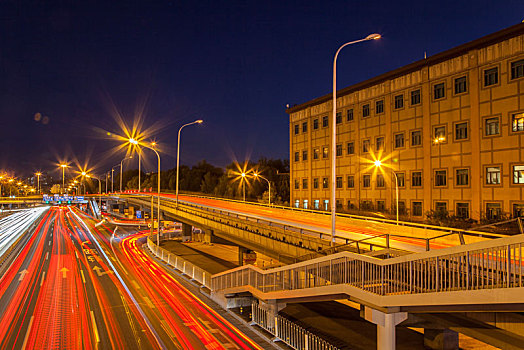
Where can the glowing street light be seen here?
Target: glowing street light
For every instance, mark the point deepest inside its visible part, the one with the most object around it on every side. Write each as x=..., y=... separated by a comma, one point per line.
x=378, y=164
x=334, y=133
x=134, y=142
x=268, y=184
x=199, y=121
x=63, y=166
x=38, y=174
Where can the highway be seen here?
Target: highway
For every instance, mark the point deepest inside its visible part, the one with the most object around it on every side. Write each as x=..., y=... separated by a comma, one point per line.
x=74, y=286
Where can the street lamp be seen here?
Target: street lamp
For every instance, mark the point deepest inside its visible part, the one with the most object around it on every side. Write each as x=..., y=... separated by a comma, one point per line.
x=38, y=181
x=63, y=166
x=244, y=185
x=199, y=121
x=121, y=167
x=268, y=184
x=334, y=133
x=378, y=164
x=99, y=188
x=139, y=151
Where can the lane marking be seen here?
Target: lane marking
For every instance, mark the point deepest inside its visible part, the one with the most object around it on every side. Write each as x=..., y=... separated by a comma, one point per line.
x=95, y=329
x=76, y=254
x=47, y=256
x=27, y=333
x=135, y=284
x=83, y=278
x=42, y=281
x=49, y=243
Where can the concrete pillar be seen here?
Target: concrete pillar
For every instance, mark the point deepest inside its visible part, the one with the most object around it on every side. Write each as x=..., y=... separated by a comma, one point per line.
x=386, y=323
x=241, y=251
x=441, y=339
x=272, y=308
x=186, y=232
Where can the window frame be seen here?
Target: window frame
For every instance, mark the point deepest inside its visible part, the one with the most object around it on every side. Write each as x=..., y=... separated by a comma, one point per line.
x=445, y=170
x=395, y=100
x=403, y=177
x=511, y=122
x=325, y=120
x=512, y=174
x=434, y=135
x=337, y=148
x=338, y=118
x=352, y=182
x=325, y=155
x=485, y=175
x=484, y=127
x=421, y=208
x=297, y=129
x=352, y=143
x=382, y=183
x=368, y=108
x=455, y=173
x=421, y=179
x=383, y=143
x=458, y=93
x=304, y=155
x=497, y=83
x=381, y=104
x=315, y=183
x=434, y=86
x=316, y=153
x=337, y=183
x=297, y=156
x=395, y=140
x=455, y=124
x=412, y=94
x=315, y=124
x=510, y=69
x=305, y=182
x=368, y=143
x=411, y=138
x=350, y=113
x=304, y=127
x=366, y=178
x=457, y=209
x=325, y=181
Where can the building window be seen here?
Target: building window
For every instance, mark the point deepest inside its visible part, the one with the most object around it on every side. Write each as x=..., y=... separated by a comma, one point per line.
x=366, y=181
x=399, y=140
x=365, y=111
x=492, y=126
x=316, y=204
x=351, y=181
x=493, y=211
x=399, y=101
x=518, y=210
x=462, y=177
x=493, y=175
x=325, y=152
x=463, y=210
x=415, y=97
x=440, y=178
x=366, y=205
x=379, y=107
x=517, y=121
x=379, y=143
x=461, y=131
x=365, y=146
x=325, y=121
x=315, y=124
x=381, y=206
x=440, y=134
x=517, y=69
x=416, y=138
x=491, y=76
x=349, y=115
x=297, y=203
x=441, y=207
x=326, y=204
x=401, y=182
x=297, y=156
x=339, y=118
x=297, y=184
x=518, y=174
x=304, y=127
x=296, y=129
x=350, y=148
x=315, y=153
x=315, y=183
x=305, y=203
x=460, y=85
x=304, y=155
x=304, y=184
x=416, y=179
x=439, y=91
x=416, y=208
x=339, y=150
x=350, y=205
x=380, y=180
x=339, y=182
x=325, y=182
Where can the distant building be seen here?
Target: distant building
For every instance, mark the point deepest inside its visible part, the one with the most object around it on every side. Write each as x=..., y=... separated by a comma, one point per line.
x=450, y=126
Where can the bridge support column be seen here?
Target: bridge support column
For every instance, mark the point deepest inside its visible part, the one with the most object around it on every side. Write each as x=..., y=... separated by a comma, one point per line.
x=440, y=339
x=186, y=232
x=386, y=323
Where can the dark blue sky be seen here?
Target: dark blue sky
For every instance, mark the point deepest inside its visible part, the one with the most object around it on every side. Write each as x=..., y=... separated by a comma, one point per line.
x=235, y=64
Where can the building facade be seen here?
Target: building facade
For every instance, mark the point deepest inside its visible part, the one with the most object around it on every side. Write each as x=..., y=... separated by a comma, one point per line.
x=450, y=128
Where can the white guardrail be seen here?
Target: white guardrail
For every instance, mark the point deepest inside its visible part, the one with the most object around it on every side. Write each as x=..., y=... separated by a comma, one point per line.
x=184, y=266
x=288, y=331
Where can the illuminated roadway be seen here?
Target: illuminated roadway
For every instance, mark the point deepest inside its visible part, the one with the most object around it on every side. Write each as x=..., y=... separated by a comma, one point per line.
x=75, y=286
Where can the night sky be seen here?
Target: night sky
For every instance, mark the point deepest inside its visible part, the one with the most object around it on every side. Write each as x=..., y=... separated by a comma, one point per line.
x=234, y=64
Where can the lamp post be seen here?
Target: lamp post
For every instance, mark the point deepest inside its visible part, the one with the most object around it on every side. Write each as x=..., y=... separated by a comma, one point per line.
x=1, y=178
x=139, y=151
x=121, y=170
x=378, y=163
x=244, y=185
x=10, y=187
x=199, y=121
x=112, y=176
x=99, y=189
x=38, y=174
x=63, y=166
x=268, y=184
x=334, y=134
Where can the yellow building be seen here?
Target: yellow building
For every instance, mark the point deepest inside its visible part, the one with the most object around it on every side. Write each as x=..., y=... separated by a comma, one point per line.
x=450, y=126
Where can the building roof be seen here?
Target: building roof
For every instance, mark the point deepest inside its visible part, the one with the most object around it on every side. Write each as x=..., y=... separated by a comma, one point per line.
x=487, y=40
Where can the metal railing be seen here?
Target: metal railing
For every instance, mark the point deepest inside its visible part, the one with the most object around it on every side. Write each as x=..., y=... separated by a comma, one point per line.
x=484, y=265
x=287, y=331
x=187, y=268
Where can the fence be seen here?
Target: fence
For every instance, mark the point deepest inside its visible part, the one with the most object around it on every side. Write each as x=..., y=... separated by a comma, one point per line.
x=187, y=268
x=288, y=331
x=484, y=265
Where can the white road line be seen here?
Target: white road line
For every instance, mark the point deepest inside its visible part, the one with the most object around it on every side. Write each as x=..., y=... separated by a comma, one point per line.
x=76, y=254
x=47, y=256
x=49, y=243
x=83, y=278
x=95, y=329
x=42, y=281
x=27, y=333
